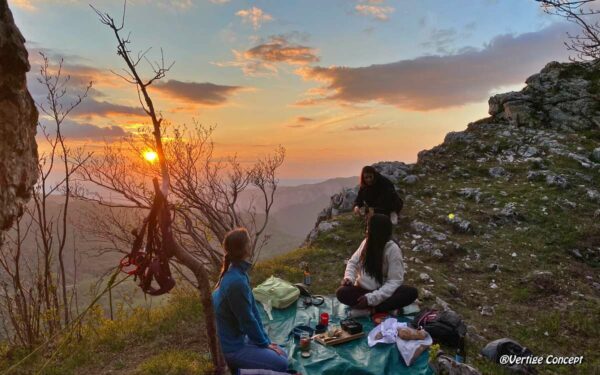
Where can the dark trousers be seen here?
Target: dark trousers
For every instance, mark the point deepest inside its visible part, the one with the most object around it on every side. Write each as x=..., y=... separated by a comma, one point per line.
x=403, y=296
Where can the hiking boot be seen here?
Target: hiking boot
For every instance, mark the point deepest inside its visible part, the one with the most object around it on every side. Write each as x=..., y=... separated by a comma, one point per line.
x=359, y=313
x=394, y=218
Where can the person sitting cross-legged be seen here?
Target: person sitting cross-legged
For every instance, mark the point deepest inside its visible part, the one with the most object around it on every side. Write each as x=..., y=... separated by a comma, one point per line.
x=375, y=273
x=243, y=338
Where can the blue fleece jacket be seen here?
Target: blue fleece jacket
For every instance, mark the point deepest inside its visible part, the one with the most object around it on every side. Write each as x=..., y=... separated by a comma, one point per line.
x=235, y=307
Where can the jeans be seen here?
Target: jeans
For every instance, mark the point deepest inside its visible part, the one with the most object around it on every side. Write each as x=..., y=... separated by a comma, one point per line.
x=256, y=357
x=403, y=296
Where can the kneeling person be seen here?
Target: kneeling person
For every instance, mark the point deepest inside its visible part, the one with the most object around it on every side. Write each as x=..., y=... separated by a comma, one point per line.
x=375, y=272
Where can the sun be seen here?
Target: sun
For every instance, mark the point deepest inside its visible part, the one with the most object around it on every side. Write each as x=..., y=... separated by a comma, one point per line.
x=150, y=156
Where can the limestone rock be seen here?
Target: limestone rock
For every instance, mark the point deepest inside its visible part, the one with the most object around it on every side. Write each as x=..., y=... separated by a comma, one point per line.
x=410, y=179
x=557, y=180
x=18, y=121
x=497, y=172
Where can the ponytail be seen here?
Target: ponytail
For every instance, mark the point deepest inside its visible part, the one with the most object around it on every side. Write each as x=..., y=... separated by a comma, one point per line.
x=234, y=246
x=224, y=268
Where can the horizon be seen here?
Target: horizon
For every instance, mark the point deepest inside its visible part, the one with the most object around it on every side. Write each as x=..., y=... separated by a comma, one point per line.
x=383, y=79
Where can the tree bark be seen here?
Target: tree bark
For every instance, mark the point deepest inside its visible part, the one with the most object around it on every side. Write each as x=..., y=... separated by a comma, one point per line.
x=209, y=313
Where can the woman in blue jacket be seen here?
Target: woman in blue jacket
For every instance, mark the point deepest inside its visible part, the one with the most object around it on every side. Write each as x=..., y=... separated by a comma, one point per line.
x=243, y=338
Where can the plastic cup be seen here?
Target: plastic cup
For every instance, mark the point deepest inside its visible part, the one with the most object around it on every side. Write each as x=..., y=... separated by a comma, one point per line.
x=304, y=342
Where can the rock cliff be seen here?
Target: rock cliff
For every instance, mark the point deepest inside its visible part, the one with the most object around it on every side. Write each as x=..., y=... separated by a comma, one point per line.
x=18, y=121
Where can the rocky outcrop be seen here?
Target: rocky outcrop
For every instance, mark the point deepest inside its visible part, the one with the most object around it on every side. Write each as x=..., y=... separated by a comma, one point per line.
x=18, y=120
x=561, y=96
x=546, y=120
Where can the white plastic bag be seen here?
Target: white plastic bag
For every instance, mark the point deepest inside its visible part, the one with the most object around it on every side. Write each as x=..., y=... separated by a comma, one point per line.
x=410, y=350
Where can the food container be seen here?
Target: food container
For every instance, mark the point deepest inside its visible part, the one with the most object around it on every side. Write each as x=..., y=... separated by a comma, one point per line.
x=351, y=326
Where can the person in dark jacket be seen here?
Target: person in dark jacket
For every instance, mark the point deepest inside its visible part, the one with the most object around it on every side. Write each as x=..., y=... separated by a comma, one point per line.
x=244, y=341
x=377, y=194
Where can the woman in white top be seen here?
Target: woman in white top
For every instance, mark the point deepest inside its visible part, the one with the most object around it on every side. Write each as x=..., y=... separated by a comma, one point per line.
x=375, y=272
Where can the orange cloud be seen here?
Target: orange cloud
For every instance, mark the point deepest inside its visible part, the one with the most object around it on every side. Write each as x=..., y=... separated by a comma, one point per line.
x=279, y=49
x=263, y=58
x=363, y=128
x=300, y=122
x=372, y=9
x=255, y=16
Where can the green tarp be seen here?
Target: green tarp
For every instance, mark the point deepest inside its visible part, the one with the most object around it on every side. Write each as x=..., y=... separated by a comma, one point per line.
x=354, y=357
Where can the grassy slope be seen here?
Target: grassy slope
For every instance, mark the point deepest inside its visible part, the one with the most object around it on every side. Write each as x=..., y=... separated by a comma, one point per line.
x=553, y=311
x=144, y=341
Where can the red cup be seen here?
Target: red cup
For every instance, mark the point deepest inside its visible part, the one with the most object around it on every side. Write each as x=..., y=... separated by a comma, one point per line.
x=324, y=319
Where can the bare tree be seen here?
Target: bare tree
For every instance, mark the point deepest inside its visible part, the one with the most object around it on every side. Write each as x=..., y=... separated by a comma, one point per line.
x=32, y=298
x=586, y=15
x=203, y=192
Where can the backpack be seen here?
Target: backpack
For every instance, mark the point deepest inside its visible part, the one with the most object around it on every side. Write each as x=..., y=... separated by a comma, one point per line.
x=445, y=327
x=496, y=349
x=275, y=293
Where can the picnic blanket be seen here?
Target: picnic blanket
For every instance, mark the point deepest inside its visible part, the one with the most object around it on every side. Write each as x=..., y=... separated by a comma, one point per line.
x=354, y=357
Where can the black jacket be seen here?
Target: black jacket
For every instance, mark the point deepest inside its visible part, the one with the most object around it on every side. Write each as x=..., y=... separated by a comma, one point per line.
x=381, y=196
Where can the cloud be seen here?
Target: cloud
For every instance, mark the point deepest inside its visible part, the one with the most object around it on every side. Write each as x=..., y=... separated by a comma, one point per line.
x=206, y=93
x=79, y=76
x=32, y=5
x=220, y=1
x=432, y=82
x=372, y=8
x=24, y=4
x=255, y=16
x=279, y=49
x=177, y=5
x=74, y=67
x=92, y=107
x=84, y=131
x=442, y=40
x=301, y=121
x=362, y=128
x=263, y=58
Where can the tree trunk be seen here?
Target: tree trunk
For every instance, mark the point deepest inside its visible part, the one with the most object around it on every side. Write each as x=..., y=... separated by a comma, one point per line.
x=209, y=313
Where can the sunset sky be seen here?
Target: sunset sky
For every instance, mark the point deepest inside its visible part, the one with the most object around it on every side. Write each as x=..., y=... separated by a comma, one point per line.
x=338, y=83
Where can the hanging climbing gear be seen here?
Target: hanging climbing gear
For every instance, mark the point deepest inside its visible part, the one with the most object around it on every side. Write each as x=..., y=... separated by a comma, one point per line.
x=150, y=263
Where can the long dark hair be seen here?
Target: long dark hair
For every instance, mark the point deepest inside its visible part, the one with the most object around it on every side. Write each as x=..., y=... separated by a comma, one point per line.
x=234, y=246
x=370, y=170
x=379, y=232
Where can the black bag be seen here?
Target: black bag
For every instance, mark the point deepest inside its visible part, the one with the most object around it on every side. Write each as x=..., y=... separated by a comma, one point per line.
x=445, y=327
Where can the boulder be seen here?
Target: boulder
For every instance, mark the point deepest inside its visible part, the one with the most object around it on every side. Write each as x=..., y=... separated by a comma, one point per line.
x=596, y=155
x=557, y=180
x=497, y=172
